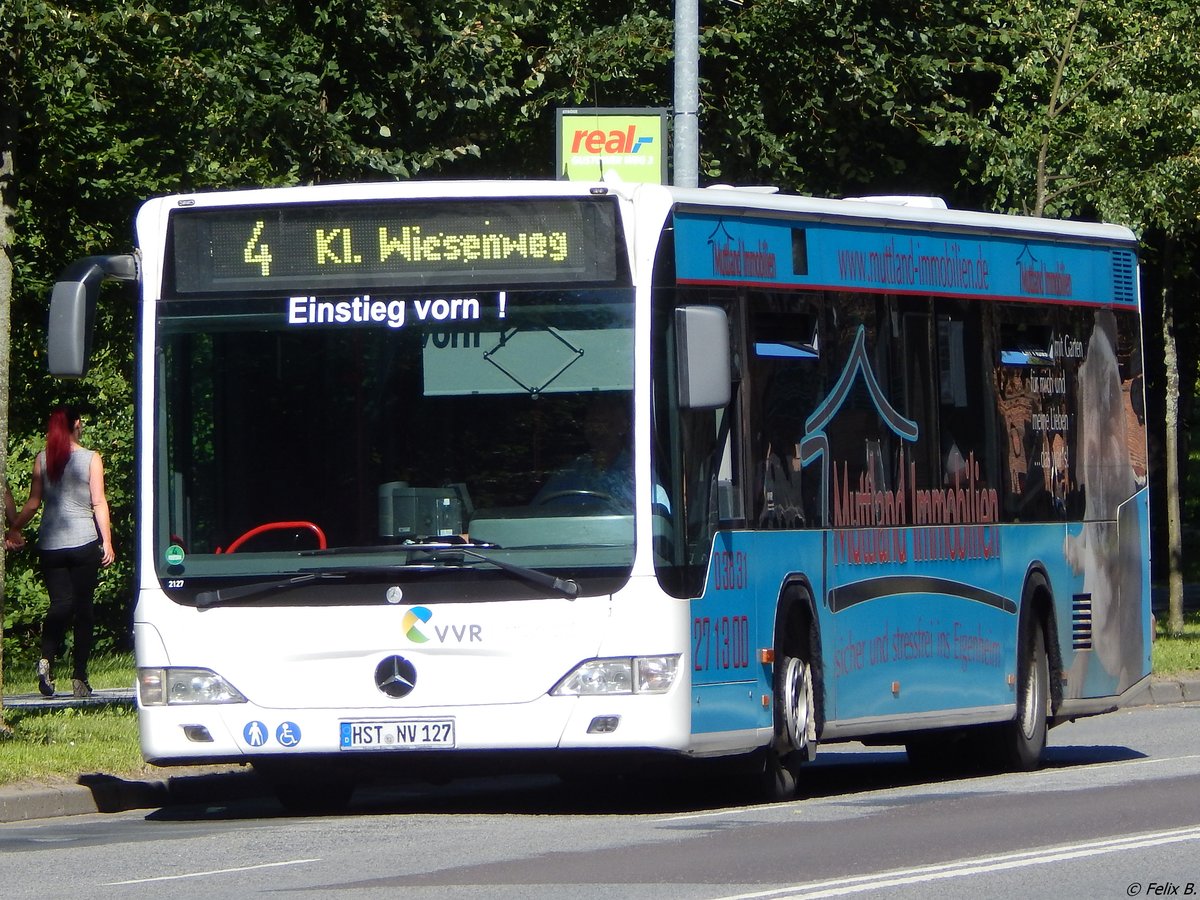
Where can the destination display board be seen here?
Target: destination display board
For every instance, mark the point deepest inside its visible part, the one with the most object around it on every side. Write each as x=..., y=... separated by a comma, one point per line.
x=402, y=243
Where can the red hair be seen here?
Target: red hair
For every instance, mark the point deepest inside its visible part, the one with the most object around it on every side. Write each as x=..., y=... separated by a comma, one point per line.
x=58, y=440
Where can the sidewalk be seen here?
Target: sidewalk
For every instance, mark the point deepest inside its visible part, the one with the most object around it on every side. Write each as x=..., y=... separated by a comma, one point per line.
x=63, y=700
x=106, y=793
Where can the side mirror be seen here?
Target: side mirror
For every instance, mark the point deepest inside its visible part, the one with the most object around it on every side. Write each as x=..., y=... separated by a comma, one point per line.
x=73, y=310
x=702, y=351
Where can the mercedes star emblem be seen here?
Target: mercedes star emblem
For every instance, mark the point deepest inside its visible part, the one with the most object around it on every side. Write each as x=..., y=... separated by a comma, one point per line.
x=396, y=676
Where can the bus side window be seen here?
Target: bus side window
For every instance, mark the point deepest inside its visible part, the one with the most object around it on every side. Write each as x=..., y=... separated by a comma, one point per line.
x=965, y=388
x=785, y=387
x=730, y=505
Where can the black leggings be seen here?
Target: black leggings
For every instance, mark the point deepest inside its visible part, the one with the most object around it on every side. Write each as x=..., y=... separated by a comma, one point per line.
x=71, y=575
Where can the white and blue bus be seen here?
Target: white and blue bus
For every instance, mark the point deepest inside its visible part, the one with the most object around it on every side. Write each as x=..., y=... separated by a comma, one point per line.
x=439, y=476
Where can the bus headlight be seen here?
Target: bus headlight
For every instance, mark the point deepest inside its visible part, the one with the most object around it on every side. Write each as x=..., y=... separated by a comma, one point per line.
x=620, y=675
x=654, y=674
x=171, y=687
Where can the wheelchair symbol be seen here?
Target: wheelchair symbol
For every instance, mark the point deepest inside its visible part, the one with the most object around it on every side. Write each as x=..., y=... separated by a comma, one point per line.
x=288, y=734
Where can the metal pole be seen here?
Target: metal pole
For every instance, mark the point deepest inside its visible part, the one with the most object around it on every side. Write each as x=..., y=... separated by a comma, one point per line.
x=687, y=93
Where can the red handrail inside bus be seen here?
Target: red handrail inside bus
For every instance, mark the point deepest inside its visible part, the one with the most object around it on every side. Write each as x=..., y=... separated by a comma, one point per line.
x=277, y=526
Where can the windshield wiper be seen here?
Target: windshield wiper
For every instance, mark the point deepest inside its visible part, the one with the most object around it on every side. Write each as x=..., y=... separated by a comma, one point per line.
x=568, y=587
x=205, y=599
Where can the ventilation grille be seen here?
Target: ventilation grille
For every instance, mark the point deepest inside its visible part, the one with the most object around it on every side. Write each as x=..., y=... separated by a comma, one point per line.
x=1124, y=266
x=1081, y=621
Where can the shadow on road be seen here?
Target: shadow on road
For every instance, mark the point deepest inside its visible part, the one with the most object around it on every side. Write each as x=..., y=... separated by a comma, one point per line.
x=242, y=795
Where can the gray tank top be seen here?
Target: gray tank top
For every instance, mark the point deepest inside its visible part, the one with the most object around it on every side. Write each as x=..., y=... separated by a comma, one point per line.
x=67, y=519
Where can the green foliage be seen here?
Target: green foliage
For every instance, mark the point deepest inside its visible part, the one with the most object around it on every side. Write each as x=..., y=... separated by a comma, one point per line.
x=821, y=96
x=1103, y=95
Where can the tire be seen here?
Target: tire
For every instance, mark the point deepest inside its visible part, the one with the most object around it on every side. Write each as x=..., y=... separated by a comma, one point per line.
x=794, y=715
x=794, y=712
x=778, y=780
x=1022, y=741
x=1015, y=746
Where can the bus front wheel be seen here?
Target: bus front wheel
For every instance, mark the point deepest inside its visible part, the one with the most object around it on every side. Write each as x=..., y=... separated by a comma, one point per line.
x=793, y=745
x=795, y=705
x=795, y=737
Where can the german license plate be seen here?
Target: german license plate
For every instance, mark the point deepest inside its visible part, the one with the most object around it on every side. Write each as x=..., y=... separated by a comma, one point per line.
x=398, y=734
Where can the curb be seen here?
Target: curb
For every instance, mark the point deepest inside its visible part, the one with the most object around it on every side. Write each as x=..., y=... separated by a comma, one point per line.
x=108, y=794
x=1166, y=691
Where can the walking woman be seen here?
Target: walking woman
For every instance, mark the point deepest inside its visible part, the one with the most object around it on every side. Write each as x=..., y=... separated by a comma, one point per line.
x=74, y=540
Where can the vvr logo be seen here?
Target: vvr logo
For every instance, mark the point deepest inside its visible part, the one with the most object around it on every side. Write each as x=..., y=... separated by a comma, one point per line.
x=416, y=615
x=417, y=618
x=615, y=141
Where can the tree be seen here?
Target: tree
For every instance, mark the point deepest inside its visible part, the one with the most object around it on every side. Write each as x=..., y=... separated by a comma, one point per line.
x=825, y=96
x=6, y=240
x=1095, y=114
x=7, y=213
x=59, y=205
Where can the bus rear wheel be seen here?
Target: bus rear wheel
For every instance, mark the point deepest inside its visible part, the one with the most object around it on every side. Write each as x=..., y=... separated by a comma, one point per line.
x=1022, y=741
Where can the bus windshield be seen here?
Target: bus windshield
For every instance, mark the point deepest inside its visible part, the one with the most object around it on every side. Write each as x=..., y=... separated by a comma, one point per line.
x=357, y=423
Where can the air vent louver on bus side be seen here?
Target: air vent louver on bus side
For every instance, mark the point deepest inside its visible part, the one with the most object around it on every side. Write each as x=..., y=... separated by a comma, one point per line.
x=1081, y=622
x=1124, y=266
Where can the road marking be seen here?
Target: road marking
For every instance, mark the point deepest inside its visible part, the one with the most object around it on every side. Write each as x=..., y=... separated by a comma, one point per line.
x=840, y=887
x=734, y=810
x=1148, y=761
x=274, y=865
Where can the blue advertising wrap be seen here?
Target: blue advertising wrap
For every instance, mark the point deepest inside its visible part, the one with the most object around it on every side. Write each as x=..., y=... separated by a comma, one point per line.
x=713, y=248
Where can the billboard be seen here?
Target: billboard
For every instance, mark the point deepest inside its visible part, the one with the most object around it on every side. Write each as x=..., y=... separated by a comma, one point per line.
x=594, y=142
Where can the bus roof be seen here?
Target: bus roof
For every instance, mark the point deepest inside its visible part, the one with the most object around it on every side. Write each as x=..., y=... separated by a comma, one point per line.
x=915, y=211
x=918, y=212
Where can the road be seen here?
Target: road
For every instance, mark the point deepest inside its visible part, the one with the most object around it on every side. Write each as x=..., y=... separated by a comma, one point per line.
x=1115, y=813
